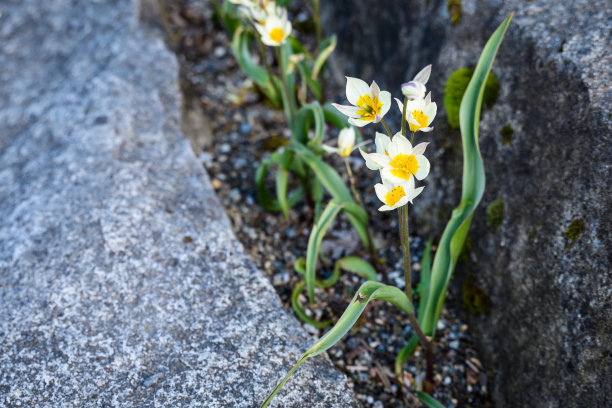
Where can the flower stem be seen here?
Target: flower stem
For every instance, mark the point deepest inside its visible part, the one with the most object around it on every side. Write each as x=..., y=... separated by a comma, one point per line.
x=386, y=128
x=404, y=116
x=428, y=346
x=357, y=196
x=316, y=16
x=264, y=57
x=403, y=225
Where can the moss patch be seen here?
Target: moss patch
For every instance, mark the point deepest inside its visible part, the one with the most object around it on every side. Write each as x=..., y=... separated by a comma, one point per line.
x=187, y=239
x=574, y=230
x=474, y=299
x=495, y=214
x=454, y=9
x=507, y=134
x=273, y=142
x=455, y=88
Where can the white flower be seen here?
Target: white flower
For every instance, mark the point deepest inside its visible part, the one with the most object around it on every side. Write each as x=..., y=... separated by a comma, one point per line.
x=370, y=103
x=276, y=27
x=395, y=195
x=419, y=113
x=346, y=143
x=402, y=161
x=382, y=144
x=415, y=89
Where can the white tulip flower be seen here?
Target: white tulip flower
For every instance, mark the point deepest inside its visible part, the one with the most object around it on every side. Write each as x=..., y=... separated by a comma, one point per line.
x=402, y=161
x=419, y=113
x=415, y=89
x=370, y=104
x=346, y=143
x=396, y=195
x=276, y=27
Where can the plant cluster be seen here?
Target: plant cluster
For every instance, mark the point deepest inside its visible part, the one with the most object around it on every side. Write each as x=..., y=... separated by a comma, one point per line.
x=291, y=78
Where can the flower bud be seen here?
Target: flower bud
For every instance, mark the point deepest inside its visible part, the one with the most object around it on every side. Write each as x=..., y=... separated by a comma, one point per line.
x=413, y=90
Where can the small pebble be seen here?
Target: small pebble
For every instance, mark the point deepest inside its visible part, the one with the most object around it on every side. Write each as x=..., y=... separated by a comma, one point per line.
x=447, y=380
x=454, y=344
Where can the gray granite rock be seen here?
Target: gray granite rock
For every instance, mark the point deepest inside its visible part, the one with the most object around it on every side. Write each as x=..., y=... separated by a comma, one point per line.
x=547, y=333
x=121, y=283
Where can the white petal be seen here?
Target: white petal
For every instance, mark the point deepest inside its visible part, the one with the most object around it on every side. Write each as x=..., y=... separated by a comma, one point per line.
x=423, y=75
x=415, y=193
x=420, y=148
x=380, y=159
x=401, y=145
x=430, y=112
x=400, y=105
x=424, y=165
x=370, y=164
x=381, y=191
x=358, y=122
x=382, y=142
x=401, y=202
x=389, y=179
x=374, y=90
x=329, y=149
x=385, y=208
x=355, y=88
x=385, y=99
x=426, y=129
x=347, y=110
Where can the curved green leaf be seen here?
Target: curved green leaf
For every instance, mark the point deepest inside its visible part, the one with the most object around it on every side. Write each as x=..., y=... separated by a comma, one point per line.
x=456, y=230
x=367, y=292
x=314, y=245
x=241, y=48
x=263, y=195
x=326, y=48
x=301, y=313
x=334, y=116
x=357, y=265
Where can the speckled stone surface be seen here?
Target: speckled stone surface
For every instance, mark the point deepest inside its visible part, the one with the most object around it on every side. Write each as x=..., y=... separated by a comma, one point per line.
x=546, y=336
x=121, y=283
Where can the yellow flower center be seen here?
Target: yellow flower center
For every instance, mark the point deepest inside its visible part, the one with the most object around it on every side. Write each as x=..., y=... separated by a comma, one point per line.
x=403, y=166
x=394, y=195
x=344, y=151
x=277, y=34
x=369, y=107
x=420, y=118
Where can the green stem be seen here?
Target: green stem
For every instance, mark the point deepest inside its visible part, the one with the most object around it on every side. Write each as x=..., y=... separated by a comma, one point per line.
x=264, y=57
x=316, y=15
x=404, y=116
x=403, y=221
x=427, y=345
x=386, y=128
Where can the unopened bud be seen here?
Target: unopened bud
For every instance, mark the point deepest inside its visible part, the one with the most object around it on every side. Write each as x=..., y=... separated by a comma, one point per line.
x=413, y=90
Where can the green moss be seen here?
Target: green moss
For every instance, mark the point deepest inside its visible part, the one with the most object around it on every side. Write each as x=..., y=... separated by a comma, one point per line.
x=495, y=214
x=455, y=88
x=454, y=9
x=574, y=230
x=474, y=299
x=507, y=134
x=187, y=239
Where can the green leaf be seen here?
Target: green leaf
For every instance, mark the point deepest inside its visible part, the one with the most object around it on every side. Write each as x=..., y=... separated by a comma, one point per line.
x=326, y=48
x=358, y=266
x=423, y=287
x=299, y=310
x=428, y=400
x=241, y=48
x=301, y=124
x=333, y=183
x=473, y=185
x=367, y=292
x=289, y=103
x=263, y=195
x=314, y=245
x=334, y=116
x=405, y=353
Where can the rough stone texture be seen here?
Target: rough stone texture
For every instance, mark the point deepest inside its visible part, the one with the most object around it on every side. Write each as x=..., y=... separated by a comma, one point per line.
x=547, y=334
x=121, y=283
